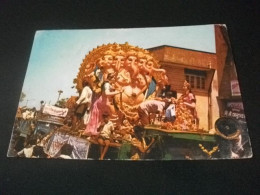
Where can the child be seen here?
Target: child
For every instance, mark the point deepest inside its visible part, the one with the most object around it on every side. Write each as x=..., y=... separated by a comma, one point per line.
x=104, y=139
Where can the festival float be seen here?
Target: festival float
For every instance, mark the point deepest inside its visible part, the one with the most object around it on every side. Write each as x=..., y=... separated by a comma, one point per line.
x=158, y=103
x=138, y=77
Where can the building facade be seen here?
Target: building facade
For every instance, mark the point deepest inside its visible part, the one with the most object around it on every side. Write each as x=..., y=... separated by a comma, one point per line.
x=210, y=75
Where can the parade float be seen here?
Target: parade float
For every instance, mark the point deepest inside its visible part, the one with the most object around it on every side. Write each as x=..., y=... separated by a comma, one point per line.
x=138, y=77
x=160, y=102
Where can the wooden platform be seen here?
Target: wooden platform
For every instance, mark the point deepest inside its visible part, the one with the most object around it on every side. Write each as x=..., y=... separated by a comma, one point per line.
x=152, y=130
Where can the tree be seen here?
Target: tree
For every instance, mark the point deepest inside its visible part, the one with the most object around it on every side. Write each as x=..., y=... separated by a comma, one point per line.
x=23, y=95
x=62, y=103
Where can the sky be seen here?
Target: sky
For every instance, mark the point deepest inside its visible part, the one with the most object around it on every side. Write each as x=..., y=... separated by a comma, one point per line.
x=57, y=54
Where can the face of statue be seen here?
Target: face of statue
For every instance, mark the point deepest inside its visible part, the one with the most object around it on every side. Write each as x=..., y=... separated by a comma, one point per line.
x=140, y=79
x=149, y=64
x=119, y=61
x=101, y=62
x=108, y=59
x=185, y=89
x=163, y=80
x=131, y=61
x=142, y=62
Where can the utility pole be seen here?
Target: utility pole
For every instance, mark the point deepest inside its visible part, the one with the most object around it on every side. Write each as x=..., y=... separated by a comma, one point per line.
x=60, y=92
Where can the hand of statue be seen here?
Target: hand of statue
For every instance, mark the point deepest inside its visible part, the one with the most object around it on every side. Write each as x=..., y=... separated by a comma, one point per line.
x=174, y=101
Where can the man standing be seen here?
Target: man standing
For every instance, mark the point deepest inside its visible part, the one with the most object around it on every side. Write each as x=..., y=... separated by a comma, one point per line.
x=83, y=104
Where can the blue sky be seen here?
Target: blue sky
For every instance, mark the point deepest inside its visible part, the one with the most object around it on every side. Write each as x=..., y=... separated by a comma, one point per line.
x=57, y=54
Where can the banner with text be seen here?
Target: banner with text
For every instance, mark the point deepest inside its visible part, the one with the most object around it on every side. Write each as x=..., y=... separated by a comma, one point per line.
x=55, y=111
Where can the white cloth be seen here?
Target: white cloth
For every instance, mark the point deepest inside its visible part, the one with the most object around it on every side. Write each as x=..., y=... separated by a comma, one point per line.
x=65, y=156
x=107, y=130
x=28, y=115
x=27, y=152
x=170, y=111
x=152, y=106
x=85, y=96
x=86, y=117
x=107, y=87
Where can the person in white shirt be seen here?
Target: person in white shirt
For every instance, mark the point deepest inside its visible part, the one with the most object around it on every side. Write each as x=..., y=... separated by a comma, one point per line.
x=83, y=105
x=104, y=139
x=28, y=150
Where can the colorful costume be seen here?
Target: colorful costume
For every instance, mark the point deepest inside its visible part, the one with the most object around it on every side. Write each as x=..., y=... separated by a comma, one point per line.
x=100, y=106
x=190, y=98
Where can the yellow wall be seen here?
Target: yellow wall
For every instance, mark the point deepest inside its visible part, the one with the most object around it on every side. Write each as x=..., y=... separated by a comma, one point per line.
x=214, y=102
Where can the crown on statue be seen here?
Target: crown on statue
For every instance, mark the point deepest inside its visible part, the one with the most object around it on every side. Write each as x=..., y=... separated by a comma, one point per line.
x=92, y=59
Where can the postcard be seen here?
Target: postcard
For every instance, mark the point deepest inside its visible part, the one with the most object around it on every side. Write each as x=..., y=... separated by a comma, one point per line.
x=164, y=93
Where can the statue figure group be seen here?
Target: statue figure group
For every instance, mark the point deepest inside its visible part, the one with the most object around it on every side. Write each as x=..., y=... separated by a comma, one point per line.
x=120, y=76
x=131, y=70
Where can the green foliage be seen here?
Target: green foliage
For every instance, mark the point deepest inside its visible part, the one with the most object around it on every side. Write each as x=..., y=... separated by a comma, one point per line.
x=62, y=103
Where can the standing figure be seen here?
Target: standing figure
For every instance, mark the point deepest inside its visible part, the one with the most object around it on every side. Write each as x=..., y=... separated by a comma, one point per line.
x=189, y=101
x=83, y=104
x=102, y=105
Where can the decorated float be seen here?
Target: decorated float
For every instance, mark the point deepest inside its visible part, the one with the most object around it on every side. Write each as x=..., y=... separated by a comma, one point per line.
x=136, y=75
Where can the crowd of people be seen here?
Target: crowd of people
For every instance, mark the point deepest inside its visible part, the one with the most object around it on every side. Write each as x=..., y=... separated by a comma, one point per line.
x=95, y=114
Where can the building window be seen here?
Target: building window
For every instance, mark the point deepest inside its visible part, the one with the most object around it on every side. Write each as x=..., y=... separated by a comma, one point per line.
x=198, y=82
x=202, y=82
x=196, y=78
x=192, y=81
